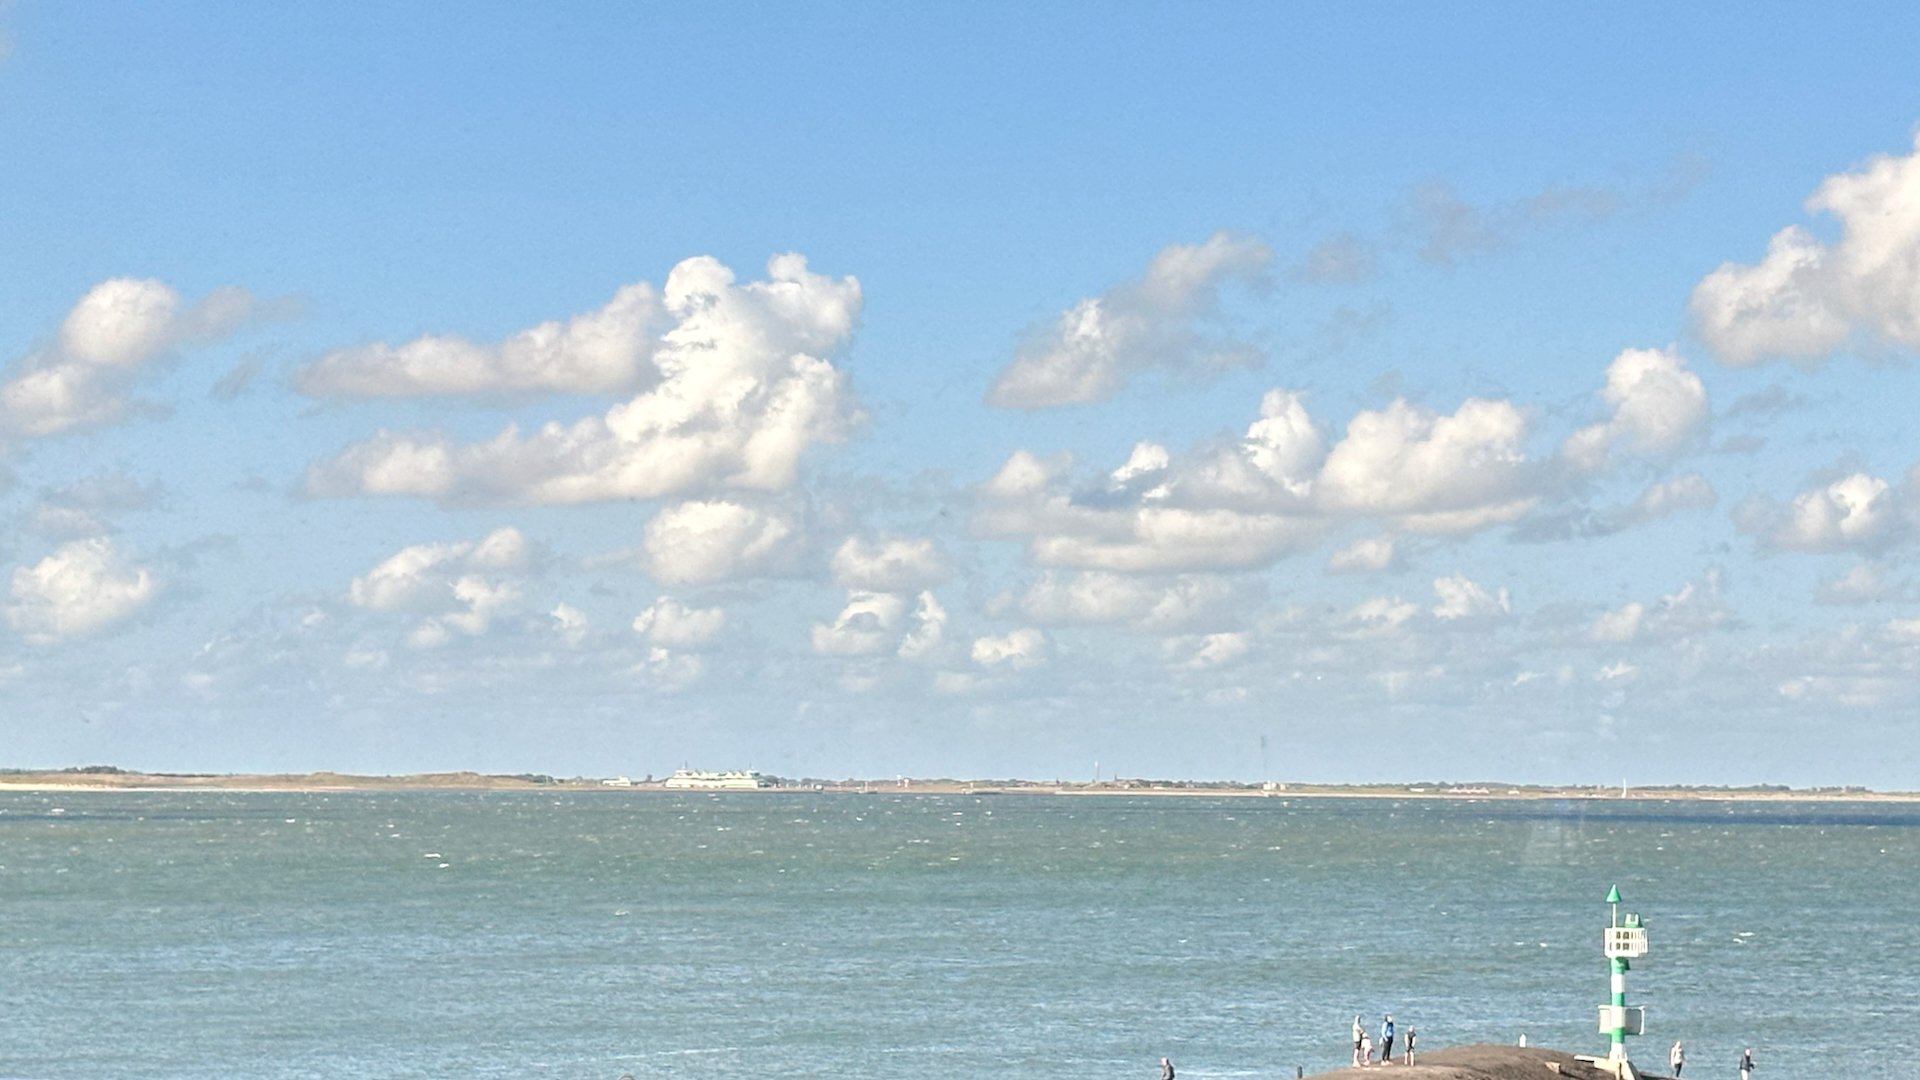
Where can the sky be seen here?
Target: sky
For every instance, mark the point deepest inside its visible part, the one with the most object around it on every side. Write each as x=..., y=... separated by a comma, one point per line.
x=1262, y=392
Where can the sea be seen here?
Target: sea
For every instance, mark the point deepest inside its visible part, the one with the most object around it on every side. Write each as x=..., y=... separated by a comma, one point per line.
x=596, y=934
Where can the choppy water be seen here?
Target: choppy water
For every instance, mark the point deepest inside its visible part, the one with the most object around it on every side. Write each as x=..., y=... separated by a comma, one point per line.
x=173, y=935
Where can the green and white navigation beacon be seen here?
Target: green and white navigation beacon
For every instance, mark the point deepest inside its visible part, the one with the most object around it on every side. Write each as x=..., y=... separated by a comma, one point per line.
x=1626, y=938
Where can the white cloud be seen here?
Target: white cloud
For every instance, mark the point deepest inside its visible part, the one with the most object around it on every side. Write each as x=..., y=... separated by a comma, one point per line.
x=1431, y=472
x=1209, y=651
x=1694, y=608
x=1864, y=583
x=570, y=623
x=448, y=585
x=419, y=574
x=669, y=622
x=82, y=588
x=700, y=543
x=1029, y=499
x=928, y=631
x=119, y=327
x=669, y=670
x=1461, y=598
x=1620, y=624
x=1147, y=463
x=365, y=658
x=1367, y=555
x=1100, y=342
x=1275, y=492
x=1102, y=598
x=1273, y=466
x=1658, y=407
x=1806, y=299
x=480, y=601
x=1378, y=617
x=1857, y=512
x=1019, y=650
x=604, y=351
x=890, y=564
x=1688, y=491
x=869, y=624
x=744, y=389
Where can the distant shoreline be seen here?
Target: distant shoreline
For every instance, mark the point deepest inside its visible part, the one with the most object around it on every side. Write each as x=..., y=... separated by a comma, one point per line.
x=120, y=780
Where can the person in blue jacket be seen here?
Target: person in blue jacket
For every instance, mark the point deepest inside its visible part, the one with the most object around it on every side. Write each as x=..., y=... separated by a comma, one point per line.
x=1386, y=1039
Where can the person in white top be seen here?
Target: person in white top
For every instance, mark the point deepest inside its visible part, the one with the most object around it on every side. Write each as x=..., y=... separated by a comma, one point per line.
x=1359, y=1032
x=1676, y=1057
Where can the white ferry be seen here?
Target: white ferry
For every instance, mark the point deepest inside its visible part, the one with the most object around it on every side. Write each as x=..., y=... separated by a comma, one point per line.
x=738, y=780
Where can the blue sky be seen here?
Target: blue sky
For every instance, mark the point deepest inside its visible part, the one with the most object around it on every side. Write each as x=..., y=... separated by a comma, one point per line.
x=1316, y=392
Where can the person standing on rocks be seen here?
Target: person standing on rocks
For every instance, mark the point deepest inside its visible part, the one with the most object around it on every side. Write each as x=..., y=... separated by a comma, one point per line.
x=1410, y=1036
x=1746, y=1064
x=1386, y=1040
x=1359, y=1033
x=1676, y=1057
x=1166, y=1069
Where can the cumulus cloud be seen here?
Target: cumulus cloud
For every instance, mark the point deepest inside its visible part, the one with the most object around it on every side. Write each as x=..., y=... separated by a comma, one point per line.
x=1367, y=555
x=1865, y=583
x=703, y=542
x=667, y=670
x=1696, y=607
x=889, y=564
x=454, y=587
x=570, y=623
x=669, y=622
x=1462, y=598
x=1102, y=341
x=1018, y=651
x=604, y=351
x=1377, y=617
x=1806, y=299
x=1688, y=491
x=1274, y=464
x=1658, y=408
x=1095, y=598
x=869, y=624
x=927, y=633
x=1431, y=472
x=1276, y=491
x=1030, y=499
x=1283, y=485
x=115, y=331
x=1857, y=512
x=1208, y=651
x=742, y=387
x=84, y=587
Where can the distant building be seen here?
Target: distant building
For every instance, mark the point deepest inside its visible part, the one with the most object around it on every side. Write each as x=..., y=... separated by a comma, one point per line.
x=739, y=780
x=618, y=781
